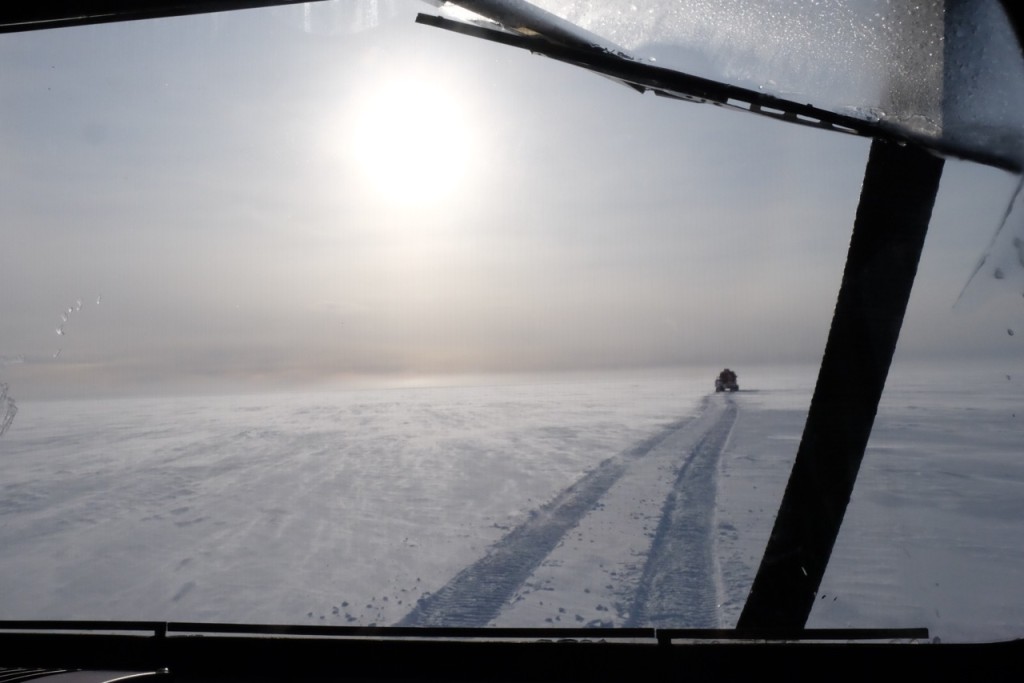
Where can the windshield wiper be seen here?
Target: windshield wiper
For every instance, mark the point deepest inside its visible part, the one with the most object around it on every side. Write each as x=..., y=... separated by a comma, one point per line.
x=165, y=629
x=664, y=82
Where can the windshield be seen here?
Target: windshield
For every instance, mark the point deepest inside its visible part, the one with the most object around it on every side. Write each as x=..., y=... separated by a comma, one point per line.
x=315, y=315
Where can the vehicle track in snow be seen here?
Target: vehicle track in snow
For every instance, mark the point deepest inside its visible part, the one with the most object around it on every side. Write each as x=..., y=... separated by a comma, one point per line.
x=678, y=587
x=478, y=593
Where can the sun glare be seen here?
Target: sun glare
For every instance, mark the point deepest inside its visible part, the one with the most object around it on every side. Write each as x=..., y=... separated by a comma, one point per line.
x=411, y=141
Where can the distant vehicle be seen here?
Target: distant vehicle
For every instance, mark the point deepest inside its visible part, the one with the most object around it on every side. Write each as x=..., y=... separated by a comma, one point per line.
x=726, y=381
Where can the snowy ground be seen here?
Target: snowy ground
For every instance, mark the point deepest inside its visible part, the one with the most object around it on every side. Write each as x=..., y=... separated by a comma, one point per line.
x=615, y=501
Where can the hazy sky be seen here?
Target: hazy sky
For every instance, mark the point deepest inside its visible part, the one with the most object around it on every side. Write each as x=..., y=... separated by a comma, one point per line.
x=273, y=198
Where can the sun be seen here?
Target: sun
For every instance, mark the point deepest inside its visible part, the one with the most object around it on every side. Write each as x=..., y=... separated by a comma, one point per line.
x=411, y=141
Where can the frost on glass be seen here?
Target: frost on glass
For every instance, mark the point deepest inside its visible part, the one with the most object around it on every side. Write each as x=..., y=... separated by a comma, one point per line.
x=949, y=71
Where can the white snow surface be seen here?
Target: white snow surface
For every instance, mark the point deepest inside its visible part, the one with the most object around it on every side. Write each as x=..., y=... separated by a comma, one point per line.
x=612, y=501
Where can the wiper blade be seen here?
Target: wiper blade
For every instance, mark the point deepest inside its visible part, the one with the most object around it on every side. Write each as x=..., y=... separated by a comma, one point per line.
x=161, y=629
x=49, y=14
x=670, y=83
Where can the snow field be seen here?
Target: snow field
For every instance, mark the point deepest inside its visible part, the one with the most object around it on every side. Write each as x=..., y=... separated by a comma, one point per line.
x=342, y=508
x=366, y=507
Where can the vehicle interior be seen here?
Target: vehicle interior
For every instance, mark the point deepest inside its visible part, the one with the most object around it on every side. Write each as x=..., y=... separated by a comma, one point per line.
x=914, y=139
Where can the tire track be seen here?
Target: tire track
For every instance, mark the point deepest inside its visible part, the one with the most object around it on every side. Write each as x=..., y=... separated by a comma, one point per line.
x=477, y=593
x=678, y=587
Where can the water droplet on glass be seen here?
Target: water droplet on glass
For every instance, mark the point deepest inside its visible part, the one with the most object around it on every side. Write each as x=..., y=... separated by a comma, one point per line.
x=60, y=330
x=1009, y=332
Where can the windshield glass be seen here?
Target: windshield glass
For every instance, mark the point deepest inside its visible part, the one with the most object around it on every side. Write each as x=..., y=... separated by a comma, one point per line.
x=314, y=315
